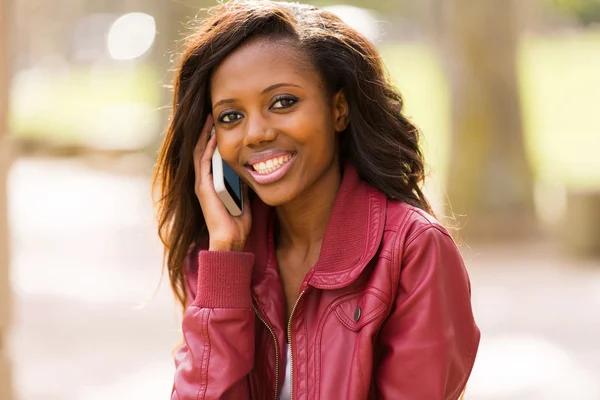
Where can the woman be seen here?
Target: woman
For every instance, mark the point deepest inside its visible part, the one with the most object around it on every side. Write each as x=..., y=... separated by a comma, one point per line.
x=336, y=282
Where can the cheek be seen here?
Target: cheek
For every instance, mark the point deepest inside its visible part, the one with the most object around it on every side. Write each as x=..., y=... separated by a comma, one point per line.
x=324, y=135
x=229, y=145
x=314, y=128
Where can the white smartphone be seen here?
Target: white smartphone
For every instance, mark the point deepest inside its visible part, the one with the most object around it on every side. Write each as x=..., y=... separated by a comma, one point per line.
x=227, y=184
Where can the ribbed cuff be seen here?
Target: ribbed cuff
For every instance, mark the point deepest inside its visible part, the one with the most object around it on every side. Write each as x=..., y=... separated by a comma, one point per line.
x=224, y=279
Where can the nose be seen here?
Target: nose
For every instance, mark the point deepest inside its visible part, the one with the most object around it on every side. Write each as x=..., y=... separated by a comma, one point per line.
x=258, y=131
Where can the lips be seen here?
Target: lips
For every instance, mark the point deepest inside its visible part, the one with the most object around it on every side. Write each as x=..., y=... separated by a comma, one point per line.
x=264, y=155
x=270, y=166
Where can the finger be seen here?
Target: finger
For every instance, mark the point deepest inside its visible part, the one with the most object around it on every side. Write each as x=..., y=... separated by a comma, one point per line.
x=203, y=138
x=208, y=125
x=205, y=163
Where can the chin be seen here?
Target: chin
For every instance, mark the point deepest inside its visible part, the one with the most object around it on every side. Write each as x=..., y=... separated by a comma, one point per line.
x=276, y=196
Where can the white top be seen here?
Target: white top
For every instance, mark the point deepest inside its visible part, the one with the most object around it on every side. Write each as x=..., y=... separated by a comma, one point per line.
x=286, y=390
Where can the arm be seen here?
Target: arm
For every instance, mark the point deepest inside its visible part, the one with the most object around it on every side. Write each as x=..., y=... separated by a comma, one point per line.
x=218, y=330
x=430, y=339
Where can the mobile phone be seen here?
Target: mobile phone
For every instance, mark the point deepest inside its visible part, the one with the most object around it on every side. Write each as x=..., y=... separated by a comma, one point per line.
x=227, y=184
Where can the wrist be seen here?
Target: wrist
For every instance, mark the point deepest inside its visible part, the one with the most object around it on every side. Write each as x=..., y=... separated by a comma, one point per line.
x=217, y=245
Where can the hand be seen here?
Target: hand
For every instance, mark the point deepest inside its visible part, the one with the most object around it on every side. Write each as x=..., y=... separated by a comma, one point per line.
x=225, y=231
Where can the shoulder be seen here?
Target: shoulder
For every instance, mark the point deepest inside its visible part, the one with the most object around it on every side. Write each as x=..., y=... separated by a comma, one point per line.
x=423, y=253
x=418, y=243
x=408, y=223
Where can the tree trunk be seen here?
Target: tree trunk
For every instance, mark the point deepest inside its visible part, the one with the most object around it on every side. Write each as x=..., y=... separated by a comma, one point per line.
x=5, y=373
x=489, y=183
x=580, y=228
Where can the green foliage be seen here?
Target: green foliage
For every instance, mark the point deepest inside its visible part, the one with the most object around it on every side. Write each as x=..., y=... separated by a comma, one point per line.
x=64, y=108
x=587, y=11
x=559, y=93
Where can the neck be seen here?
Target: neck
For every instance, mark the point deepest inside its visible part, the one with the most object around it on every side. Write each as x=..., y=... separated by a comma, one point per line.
x=303, y=221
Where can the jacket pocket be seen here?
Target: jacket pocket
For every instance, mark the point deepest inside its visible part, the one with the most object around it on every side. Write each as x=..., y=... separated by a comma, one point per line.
x=357, y=311
x=345, y=348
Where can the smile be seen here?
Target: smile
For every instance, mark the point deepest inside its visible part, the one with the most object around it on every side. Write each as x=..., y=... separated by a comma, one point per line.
x=272, y=169
x=271, y=164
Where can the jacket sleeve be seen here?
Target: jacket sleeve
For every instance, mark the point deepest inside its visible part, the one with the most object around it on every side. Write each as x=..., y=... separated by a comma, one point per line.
x=430, y=338
x=218, y=330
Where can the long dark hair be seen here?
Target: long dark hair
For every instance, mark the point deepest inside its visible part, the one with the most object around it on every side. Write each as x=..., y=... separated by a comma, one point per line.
x=381, y=143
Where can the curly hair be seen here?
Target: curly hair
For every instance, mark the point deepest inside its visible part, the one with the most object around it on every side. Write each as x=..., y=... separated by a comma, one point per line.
x=380, y=141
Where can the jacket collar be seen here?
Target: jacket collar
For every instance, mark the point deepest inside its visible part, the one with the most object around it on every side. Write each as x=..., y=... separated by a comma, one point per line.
x=352, y=237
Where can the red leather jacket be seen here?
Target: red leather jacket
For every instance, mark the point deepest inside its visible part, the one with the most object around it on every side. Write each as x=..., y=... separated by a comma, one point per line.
x=384, y=314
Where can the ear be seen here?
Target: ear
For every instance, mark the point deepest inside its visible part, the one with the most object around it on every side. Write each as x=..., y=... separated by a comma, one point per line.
x=340, y=111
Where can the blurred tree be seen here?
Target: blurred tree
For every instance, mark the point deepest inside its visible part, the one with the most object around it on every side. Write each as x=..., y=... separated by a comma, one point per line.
x=5, y=374
x=490, y=179
x=586, y=11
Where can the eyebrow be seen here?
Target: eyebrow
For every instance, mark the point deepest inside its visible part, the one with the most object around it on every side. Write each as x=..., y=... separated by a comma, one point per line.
x=266, y=90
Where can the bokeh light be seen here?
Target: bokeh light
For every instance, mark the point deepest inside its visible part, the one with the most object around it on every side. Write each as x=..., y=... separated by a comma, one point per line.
x=131, y=36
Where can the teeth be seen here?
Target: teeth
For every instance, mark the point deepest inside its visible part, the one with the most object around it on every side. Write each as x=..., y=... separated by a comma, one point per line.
x=270, y=165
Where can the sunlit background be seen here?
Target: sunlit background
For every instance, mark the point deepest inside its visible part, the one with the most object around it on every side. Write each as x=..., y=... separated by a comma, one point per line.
x=507, y=94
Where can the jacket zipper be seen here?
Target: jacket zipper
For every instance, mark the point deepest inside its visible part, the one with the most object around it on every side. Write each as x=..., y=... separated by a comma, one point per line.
x=289, y=332
x=276, y=352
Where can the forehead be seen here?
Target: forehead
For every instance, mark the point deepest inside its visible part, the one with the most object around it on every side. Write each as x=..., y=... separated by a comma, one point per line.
x=261, y=63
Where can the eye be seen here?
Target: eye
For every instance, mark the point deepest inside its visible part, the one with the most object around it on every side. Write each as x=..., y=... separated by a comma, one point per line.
x=284, y=102
x=229, y=117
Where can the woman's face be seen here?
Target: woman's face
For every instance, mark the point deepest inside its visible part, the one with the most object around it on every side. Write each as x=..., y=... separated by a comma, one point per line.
x=276, y=126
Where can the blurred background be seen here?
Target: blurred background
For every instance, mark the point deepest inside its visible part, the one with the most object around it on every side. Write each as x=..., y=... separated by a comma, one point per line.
x=507, y=96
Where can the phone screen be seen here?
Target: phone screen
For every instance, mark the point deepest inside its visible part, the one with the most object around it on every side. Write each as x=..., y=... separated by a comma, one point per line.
x=233, y=184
